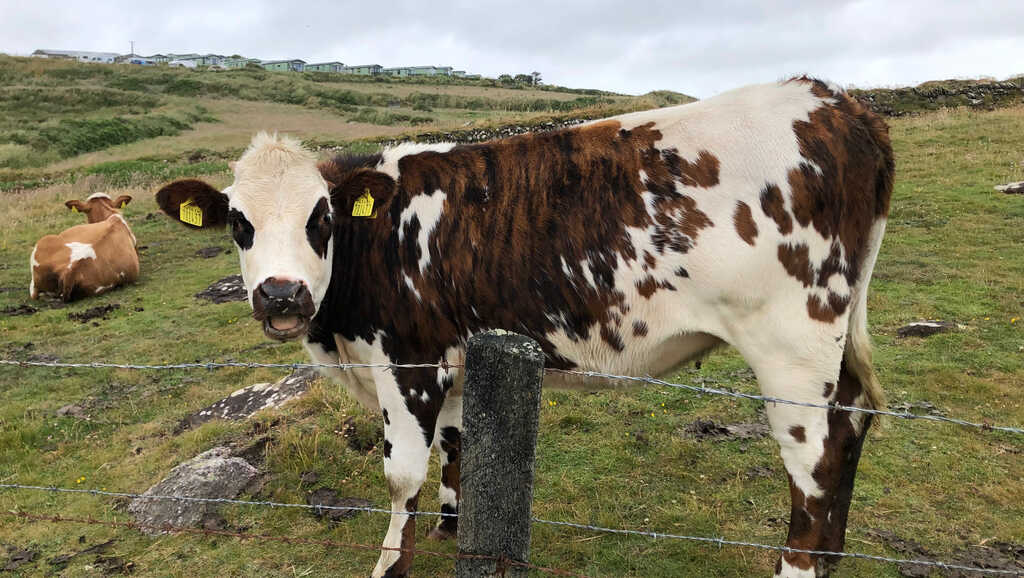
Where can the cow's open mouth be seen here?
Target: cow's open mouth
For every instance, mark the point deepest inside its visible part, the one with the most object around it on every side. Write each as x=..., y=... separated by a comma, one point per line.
x=285, y=327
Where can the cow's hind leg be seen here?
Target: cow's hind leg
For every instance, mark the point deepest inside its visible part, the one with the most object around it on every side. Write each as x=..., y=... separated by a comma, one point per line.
x=410, y=405
x=820, y=449
x=448, y=442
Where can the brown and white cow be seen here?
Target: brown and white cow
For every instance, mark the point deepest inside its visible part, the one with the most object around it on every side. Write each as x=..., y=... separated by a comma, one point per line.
x=87, y=259
x=628, y=245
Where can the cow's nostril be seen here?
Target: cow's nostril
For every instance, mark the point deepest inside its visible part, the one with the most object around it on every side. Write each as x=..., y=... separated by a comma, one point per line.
x=274, y=288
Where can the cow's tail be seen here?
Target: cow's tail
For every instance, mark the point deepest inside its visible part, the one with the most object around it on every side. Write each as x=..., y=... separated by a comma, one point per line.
x=857, y=354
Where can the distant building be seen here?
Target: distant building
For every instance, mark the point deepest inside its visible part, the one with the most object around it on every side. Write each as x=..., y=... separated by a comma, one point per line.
x=325, y=67
x=135, y=59
x=79, y=55
x=364, y=69
x=160, y=58
x=418, y=71
x=240, y=62
x=182, y=63
x=284, y=65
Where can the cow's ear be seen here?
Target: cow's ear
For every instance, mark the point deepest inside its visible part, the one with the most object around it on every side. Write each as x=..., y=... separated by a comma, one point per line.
x=77, y=206
x=122, y=201
x=362, y=194
x=194, y=203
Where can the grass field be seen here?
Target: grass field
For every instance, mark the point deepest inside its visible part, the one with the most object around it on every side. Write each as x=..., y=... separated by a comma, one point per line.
x=952, y=251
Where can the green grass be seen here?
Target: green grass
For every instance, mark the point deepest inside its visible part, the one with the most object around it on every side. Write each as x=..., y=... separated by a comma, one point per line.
x=952, y=251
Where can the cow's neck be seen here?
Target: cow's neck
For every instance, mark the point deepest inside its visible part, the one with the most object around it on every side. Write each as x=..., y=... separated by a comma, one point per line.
x=358, y=302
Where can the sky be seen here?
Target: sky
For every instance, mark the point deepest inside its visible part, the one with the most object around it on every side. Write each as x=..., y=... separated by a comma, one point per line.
x=696, y=47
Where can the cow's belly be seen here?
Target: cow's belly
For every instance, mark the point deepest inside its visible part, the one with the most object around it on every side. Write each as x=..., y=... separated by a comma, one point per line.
x=645, y=357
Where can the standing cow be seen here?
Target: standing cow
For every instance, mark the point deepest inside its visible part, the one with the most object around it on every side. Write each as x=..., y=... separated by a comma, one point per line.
x=628, y=245
x=87, y=259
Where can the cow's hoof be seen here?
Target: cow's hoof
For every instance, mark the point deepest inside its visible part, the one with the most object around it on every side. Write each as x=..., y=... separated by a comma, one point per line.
x=439, y=535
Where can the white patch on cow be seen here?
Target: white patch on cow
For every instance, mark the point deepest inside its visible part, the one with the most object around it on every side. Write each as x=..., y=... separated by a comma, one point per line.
x=389, y=157
x=427, y=209
x=786, y=570
x=97, y=196
x=79, y=251
x=32, y=272
x=411, y=286
x=101, y=289
x=358, y=381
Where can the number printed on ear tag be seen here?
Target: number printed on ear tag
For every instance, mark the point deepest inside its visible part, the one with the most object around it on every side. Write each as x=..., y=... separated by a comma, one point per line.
x=189, y=213
x=363, y=207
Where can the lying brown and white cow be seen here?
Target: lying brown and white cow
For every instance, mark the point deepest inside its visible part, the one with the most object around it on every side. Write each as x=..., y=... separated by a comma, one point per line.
x=627, y=245
x=87, y=259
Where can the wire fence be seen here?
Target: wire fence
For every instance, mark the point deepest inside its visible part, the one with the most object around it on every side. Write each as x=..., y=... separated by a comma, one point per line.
x=446, y=366
x=502, y=562
x=588, y=374
x=588, y=527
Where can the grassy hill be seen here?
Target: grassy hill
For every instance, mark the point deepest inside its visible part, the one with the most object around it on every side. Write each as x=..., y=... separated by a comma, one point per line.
x=614, y=458
x=57, y=117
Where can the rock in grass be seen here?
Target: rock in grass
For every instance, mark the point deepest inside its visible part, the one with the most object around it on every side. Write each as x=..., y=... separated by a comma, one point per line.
x=249, y=400
x=211, y=474
x=226, y=290
x=1011, y=188
x=926, y=328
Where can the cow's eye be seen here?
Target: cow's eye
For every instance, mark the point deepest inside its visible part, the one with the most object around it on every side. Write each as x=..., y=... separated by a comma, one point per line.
x=241, y=229
x=319, y=227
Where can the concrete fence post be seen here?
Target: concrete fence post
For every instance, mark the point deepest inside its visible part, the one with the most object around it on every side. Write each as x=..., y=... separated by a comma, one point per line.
x=501, y=410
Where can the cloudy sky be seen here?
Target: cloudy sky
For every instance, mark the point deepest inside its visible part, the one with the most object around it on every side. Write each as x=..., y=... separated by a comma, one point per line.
x=697, y=47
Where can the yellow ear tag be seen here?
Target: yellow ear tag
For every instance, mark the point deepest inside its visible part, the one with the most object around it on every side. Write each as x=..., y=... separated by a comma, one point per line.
x=191, y=214
x=74, y=209
x=363, y=206
x=124, y=204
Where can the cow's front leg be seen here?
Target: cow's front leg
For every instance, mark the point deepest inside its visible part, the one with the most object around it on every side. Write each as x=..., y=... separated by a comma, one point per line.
x=410, y=401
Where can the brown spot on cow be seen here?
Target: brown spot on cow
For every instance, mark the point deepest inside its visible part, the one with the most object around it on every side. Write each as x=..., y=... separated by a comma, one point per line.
x=649, y=285
x=798, y=433
x=826, y=311
x=774, y=206
x=829, y=388
x=640, y=328
x=744, y=222
x=796, y=260
x=846, y=181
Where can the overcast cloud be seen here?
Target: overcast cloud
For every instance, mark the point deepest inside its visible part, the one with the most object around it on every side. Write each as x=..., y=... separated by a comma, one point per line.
x=700, y=48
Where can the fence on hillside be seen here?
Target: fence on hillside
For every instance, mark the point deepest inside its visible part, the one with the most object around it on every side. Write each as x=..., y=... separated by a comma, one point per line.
x=504, y=372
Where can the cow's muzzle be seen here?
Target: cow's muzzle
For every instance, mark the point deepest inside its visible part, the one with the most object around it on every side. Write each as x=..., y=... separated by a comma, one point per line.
x=284, y=306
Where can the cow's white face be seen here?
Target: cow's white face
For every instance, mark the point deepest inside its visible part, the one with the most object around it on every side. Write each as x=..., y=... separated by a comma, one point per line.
x=283, y=228
x=278, y=212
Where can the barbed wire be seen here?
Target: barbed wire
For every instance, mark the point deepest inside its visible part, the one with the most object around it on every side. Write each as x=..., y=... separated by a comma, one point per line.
x=447, y=366
x=723, y=542
x=502, y=561
x=224, y=364
x=620, y=531
x=769, y=399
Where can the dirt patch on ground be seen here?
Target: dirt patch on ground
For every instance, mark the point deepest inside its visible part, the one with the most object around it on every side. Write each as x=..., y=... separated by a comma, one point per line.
x=225, y=290
x=328, y=497
x=17, y=557
x=706, y=429
x=992, y=555
x=27, y=352
x=209, y=252
x=16, y=310
x=98, y=312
